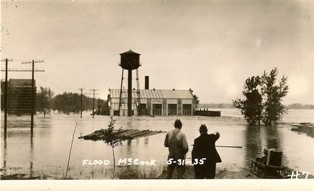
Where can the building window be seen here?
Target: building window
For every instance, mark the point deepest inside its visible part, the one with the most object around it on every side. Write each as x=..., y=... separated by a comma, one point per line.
x=157, y=108
x=187, y=109
x=172, y=109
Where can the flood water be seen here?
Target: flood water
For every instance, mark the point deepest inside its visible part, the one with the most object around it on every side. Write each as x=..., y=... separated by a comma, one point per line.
x=46, y=153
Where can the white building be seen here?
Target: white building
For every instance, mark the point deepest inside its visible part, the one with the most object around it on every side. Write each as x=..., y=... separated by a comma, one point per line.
x=152, y=102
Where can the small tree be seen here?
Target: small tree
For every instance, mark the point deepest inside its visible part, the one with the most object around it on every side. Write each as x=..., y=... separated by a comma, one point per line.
x=196, y=101
x=274, y=109
x=263, y=99
x=44, y=100
x=112, y=139
x=251, y=107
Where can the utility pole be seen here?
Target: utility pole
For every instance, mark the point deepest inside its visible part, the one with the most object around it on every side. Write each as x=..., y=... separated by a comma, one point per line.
x=93, y=101
x=98, y=106
x=6, y=98
x=81, y=100
x=32, y=94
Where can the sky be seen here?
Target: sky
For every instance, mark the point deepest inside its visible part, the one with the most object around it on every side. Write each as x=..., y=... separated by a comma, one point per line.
x=210, y=46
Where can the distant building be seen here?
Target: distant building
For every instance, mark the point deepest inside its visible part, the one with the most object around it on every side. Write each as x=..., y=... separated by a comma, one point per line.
x=19, y=96
x=152, y=102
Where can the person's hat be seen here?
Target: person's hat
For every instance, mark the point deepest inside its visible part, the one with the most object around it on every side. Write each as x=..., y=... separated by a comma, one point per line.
x=178, y=123
x=203, y=128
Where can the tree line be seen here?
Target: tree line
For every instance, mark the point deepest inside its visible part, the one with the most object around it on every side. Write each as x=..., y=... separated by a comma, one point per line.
x=227, y=105
x=300, y=106
x=68, y=102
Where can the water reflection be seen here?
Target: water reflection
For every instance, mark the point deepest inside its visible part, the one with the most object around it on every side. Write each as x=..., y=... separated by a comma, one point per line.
x=258, y=138
x=4, y=157
x=252, y=142
x=129, y=147
x=31, y=155
x=272, y=137
x=146, y=141
x=18, y=149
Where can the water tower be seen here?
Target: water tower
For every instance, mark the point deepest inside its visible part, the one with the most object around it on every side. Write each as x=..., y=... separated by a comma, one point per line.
x=130, y=61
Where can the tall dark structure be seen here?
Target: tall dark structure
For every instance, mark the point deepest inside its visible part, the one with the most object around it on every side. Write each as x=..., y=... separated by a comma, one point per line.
x=146, y=82
x=20, y=92
x=130, y=61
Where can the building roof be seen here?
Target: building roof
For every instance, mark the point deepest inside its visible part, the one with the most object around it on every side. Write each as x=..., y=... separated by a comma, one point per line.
x=20, y=82
x=156, y=94
x=129, y=52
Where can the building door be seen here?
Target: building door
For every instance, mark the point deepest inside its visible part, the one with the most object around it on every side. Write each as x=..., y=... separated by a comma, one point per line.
x=116, y=113
x=157, y=108
x=142, y=109
x=172, y=109
x=187, y=109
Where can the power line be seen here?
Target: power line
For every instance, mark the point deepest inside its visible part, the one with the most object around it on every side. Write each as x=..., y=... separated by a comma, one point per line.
x=6, y=98
x=81, y=100
x=93, y=100
x=6, y=70
x=23, y=70
x=32, y=94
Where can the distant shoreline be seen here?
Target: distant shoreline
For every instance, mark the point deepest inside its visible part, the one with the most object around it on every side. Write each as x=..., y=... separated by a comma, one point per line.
x=230, y=106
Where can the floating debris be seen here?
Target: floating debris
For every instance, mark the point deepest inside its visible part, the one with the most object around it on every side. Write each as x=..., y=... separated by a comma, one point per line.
x=122, y=134
x=307, y=128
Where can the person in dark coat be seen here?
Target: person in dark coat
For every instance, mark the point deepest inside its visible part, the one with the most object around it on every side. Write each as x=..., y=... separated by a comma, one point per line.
x=205, y=155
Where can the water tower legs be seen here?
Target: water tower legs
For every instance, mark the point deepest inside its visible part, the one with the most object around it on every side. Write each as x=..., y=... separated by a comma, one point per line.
x=129, y=92
x=120, y=97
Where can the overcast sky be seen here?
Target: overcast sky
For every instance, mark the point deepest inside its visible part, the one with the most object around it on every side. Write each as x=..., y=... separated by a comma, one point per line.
x=209, y=46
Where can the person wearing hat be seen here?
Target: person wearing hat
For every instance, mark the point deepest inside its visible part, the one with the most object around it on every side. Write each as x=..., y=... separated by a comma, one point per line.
x=178, y=147
x=205, y=155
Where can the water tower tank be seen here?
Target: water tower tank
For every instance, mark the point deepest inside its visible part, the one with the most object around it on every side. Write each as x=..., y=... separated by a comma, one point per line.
x=130, y=60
